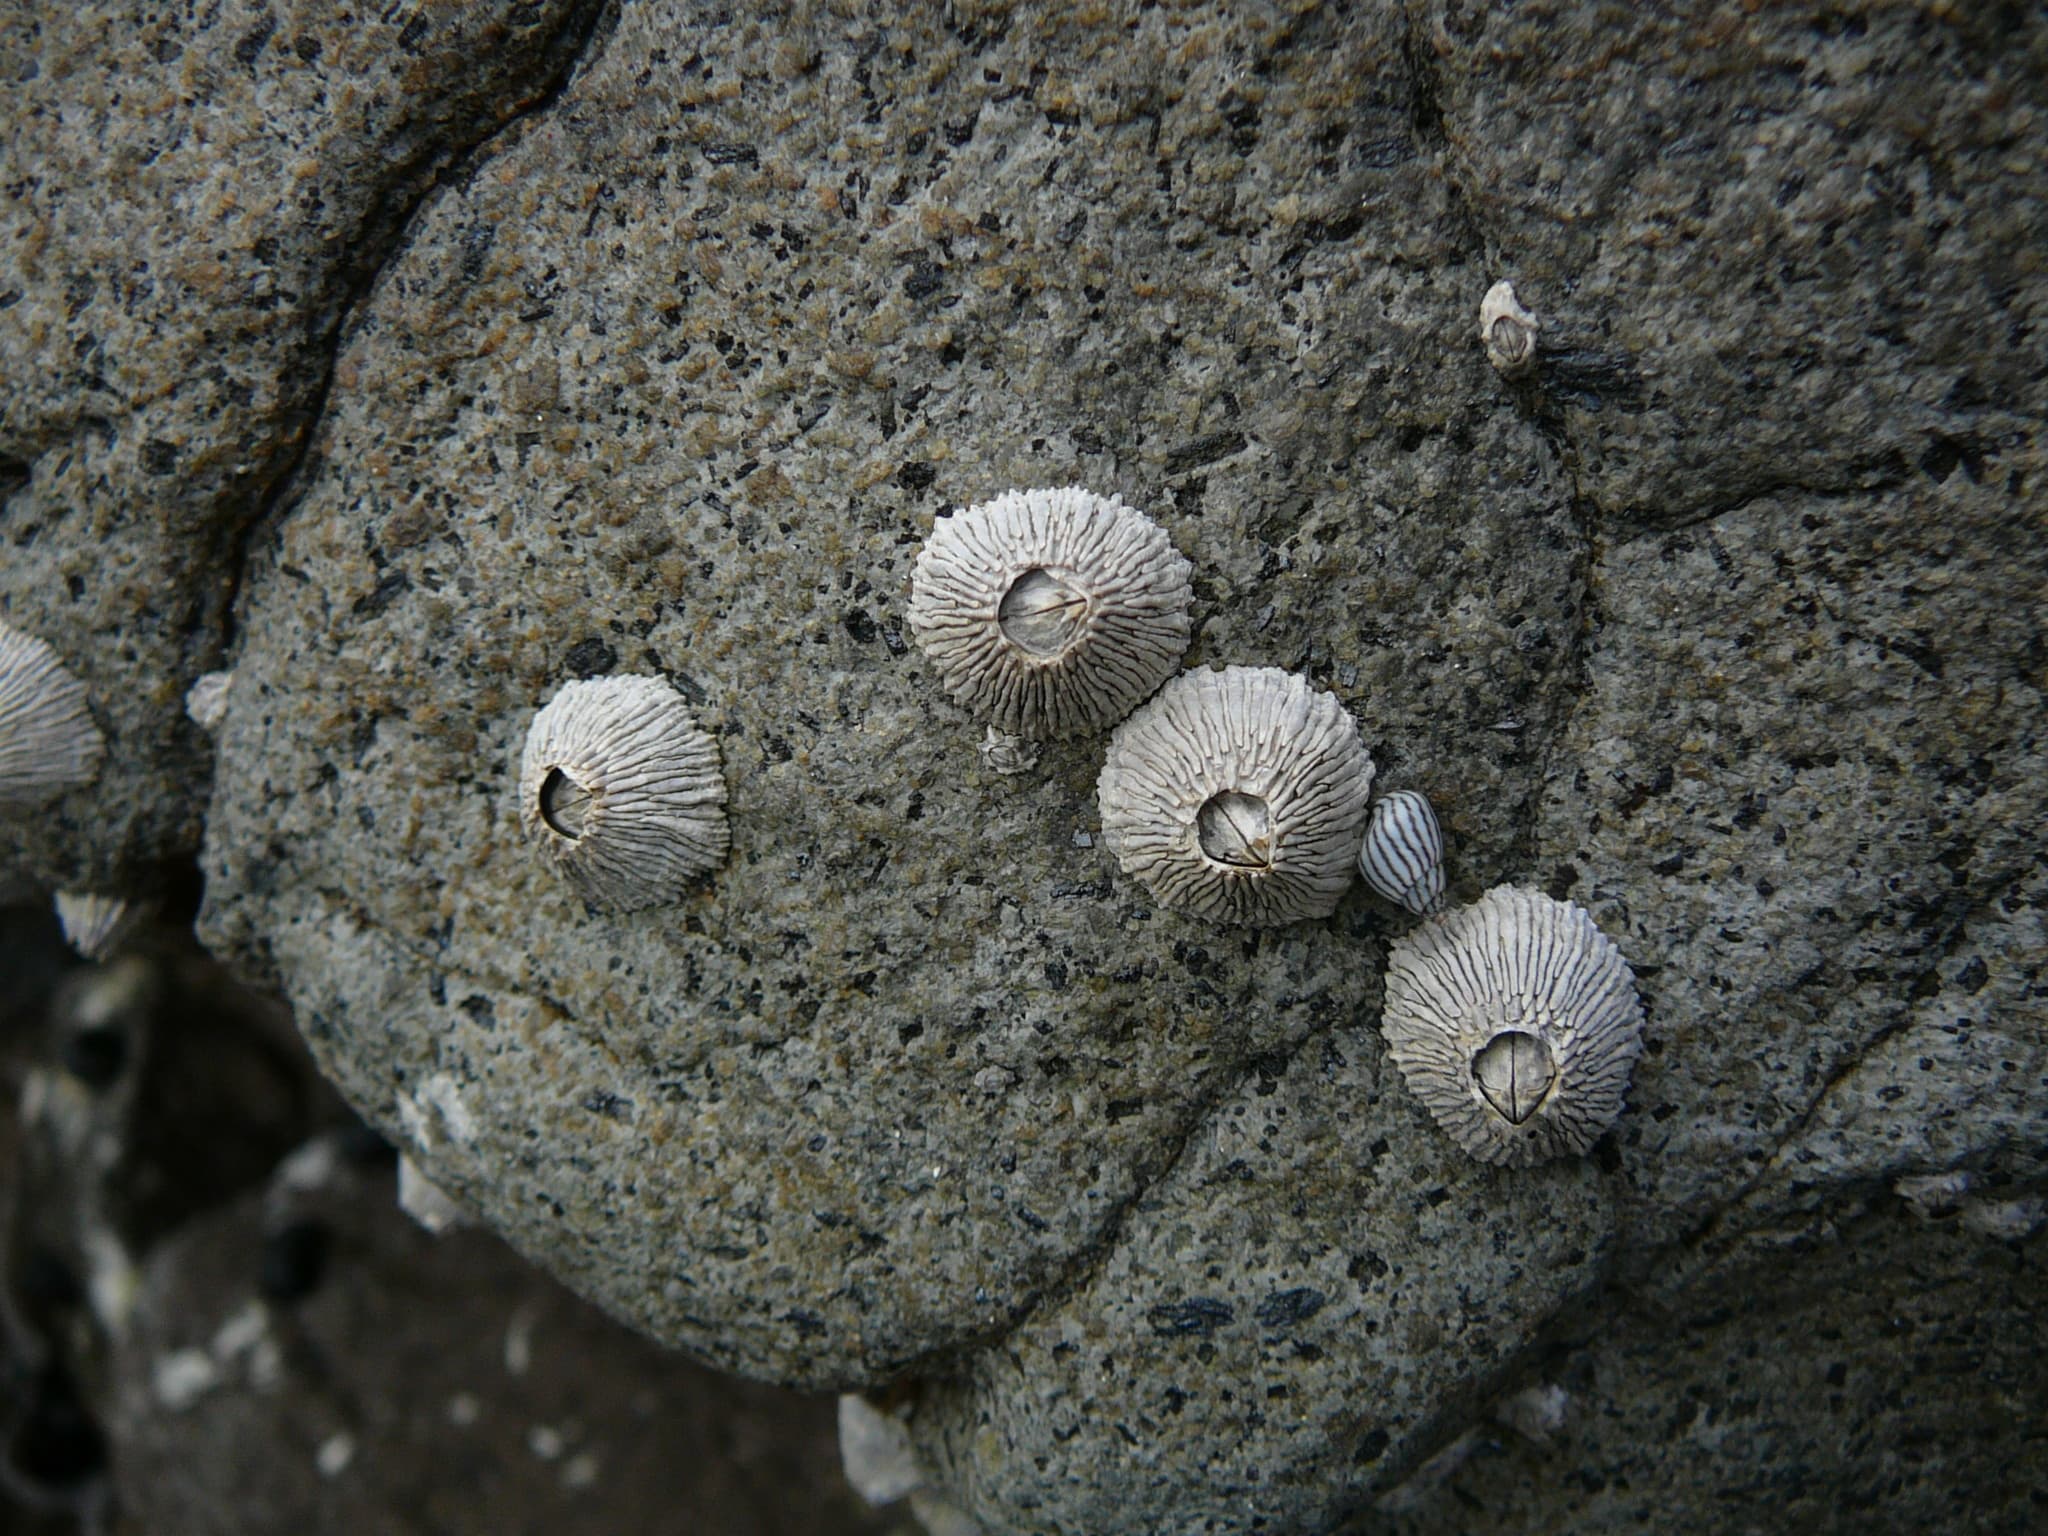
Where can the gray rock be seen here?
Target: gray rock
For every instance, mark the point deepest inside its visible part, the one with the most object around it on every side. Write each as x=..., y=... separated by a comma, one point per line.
x=731, y=347
x=1887, y=1381
x=1719, y=622
x=192, y=204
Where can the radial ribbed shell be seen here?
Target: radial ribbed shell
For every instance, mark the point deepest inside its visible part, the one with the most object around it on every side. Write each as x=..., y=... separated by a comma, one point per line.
x=623, y=791
x=1515, y=1021
x=1050, y=613
x=1403, y=856
x=96, y=926
x=1238, y=796
x=48, y=743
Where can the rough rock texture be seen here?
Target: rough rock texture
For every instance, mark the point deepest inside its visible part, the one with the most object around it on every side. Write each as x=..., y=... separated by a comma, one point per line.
x=312, y=1361
x=1721, y=622
x=189, y=198
x=1889, y=1381
x=677, y=382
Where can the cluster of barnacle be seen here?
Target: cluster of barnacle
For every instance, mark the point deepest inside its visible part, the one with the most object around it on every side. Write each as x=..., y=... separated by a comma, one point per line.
x=1241, y=795
x=1244, y=796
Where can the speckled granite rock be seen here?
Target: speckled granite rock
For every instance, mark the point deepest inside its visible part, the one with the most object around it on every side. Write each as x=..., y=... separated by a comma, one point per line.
x=188, y=204
x=1883, y=1382
x=1720, y=623
x=698, y=365
x=309, y=1360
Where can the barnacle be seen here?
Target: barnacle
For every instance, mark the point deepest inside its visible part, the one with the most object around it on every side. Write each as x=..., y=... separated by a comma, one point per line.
x=1508, y=330
x=1515, y=1021
x=1052, y=612
x=48, y=743
x=623, y=791
x=1238, y=795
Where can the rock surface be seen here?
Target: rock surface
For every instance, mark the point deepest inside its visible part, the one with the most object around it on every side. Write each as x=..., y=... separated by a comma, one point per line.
x=700, y=357
x=191, y=201
x=1721, y=622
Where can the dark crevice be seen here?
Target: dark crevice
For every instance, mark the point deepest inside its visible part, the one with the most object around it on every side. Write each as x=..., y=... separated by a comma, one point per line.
x=409, y=189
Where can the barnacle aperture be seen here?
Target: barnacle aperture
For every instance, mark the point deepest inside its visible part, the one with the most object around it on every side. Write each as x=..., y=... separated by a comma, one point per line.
x=1238, y=795
x=48, y=742
x=1050, y=613
x=1515, y=1021
x=623, y=791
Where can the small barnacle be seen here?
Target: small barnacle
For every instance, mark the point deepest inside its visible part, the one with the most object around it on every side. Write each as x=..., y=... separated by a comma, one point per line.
x=623, y=791
x=96, y=926
x=48, y=743
x=1508, y=330
x=1050, y=613
x=1238, y=795
x=1006, y=754
x=206, y=701
x=1515, y=1021
x=1403, y=856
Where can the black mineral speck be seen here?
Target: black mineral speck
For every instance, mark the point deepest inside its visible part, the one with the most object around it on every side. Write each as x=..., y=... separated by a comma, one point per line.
x=1198, y=1315
x=590, y=658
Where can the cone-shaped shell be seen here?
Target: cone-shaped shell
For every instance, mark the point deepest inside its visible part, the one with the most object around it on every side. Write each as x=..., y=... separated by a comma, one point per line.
x=1403, y=856
x=623, y=791
x=1050, y=613
x=1508, y=331
x=1238, y=796
x=1515, y=1021
x=48, y=743
x=96, y=926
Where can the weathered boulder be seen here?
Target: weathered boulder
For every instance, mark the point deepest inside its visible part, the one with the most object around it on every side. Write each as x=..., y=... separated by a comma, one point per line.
x=192, y=200
x=676, y=383
x=1720, y=620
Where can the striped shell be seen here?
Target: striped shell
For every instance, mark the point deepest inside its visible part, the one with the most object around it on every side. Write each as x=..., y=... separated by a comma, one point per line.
x=1238, y=796
x=96, y=926
x=1515, y=1021
x=623, y=792
x=48, y=743
x=1050, y=613
x=1403, y=856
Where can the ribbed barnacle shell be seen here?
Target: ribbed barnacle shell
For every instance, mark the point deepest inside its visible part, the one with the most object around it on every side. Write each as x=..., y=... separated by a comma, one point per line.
x=1403, y=856
x=623, y=791
x=1515, y=1021
x=96, y=926
x=1238, y=796
x=1050, y=613
x=1508, y=330
x=48, y=743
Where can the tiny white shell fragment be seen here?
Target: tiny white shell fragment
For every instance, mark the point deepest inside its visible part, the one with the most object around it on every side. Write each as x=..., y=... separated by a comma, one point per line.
x=1508, y=330
x=1006, y=754
x=1238, y=796
x=1515, y=1021
x=48, y=742
x=623, y=791
x=96, y=926
x=1050, y=613
x=1403, y=856
x=206, y=701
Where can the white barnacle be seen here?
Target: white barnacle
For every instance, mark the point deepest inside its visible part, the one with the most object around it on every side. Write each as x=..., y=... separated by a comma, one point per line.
x=1515, y=1021
x=1403, y=855
x=206, y=701
x=1050, y=613
x=1238, y=795
x=623, y=791
x=48, y=743
x=96, y=926
x=1508, y=330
